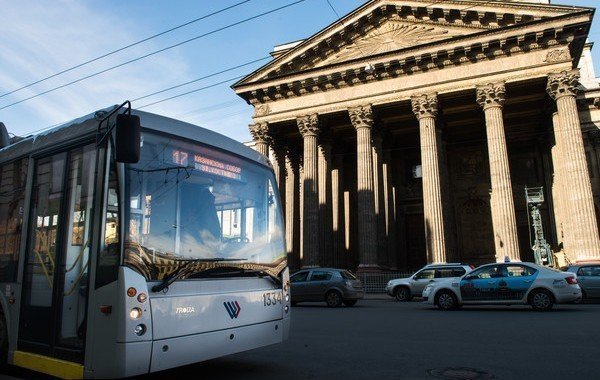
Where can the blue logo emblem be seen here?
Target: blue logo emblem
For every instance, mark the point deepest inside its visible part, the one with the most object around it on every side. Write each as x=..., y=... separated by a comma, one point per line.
x=233, y=308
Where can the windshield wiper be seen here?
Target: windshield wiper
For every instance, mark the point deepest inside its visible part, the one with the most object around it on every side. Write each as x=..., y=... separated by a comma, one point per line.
x=233, y=271
x=262, y=273
x=177, y=273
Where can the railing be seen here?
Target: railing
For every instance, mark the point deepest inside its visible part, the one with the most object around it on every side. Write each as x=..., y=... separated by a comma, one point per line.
x=375, y=282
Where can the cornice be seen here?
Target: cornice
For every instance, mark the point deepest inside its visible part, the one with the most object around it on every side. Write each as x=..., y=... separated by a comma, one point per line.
x=555, y=40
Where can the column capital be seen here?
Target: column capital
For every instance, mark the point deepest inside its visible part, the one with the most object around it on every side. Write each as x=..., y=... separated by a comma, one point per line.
x=564, y=83
x=491, y=95
x=425, y=105
x=260, y=132
x=361, y=116
x=308, y=125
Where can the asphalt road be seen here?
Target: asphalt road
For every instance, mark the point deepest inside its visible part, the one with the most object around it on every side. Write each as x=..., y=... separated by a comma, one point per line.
x=384, y=339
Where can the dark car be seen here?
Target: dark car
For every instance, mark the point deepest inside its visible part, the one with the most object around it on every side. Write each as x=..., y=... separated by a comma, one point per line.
x=334, y=286
x=588, y=276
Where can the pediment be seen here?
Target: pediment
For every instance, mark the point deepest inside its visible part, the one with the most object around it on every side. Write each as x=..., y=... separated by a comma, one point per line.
x=393, y=34
x=383, y=27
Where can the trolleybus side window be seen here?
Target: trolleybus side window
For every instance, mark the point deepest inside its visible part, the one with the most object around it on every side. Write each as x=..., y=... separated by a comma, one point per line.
x=13, y=177
x=109, y=258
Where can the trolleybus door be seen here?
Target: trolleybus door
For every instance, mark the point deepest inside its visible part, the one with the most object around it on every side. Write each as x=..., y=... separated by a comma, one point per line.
x=53, y=311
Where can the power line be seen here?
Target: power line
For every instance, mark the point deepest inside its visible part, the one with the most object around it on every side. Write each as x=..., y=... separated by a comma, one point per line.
x=191, y=92
x=201, y=78
x=126, y=47
x=155, y=52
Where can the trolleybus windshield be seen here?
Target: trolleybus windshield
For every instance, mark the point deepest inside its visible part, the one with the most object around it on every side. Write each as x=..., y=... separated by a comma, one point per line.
x=188, y=202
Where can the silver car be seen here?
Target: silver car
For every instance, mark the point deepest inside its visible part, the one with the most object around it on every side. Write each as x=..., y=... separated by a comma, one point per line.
x=404, y=289
x=588, y=276
x=334, y=286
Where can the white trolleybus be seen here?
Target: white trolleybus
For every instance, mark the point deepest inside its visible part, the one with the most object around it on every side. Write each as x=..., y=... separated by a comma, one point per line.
x=127, y=249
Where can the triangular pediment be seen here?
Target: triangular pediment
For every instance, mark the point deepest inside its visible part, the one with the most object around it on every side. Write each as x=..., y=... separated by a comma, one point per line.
x=384, y=27
x=393, y=34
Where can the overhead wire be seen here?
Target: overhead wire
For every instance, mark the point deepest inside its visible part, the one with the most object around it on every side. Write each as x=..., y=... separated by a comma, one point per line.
x=201, y=78
x=156, y=52
x=125, y=47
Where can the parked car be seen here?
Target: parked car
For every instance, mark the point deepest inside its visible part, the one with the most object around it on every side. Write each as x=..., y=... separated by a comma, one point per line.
x=334, y=286
x=404, y=289
x=506, y=284
x=588, y=276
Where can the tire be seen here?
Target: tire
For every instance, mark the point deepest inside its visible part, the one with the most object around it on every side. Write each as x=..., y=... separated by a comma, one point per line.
x=541, y=300
x=446, y=300
x=3, y=341
x=333, y=298
x=402, y=294
x=350, y=302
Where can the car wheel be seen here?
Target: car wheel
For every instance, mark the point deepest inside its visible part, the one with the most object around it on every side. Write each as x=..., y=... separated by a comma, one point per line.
x=350, y=302
x=541, y=300
x=446, y=300
x=333, y=298
x=402, y=294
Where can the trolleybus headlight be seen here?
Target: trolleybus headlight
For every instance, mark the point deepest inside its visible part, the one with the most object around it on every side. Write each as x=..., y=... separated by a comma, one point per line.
x=141, y=297
x=135, y=313
x=287, y=298
x=131, y=292
x=140, y=330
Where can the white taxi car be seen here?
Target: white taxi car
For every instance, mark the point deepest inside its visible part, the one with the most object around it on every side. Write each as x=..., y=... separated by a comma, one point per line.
x=508, y=283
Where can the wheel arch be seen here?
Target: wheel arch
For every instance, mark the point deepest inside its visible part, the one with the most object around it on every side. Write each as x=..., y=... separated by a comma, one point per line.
x=335, y=289
x=445, y=288
x=398, y=286
x=540, y=287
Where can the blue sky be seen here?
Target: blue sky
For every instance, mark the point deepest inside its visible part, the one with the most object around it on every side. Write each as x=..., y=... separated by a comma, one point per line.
x=40, y=38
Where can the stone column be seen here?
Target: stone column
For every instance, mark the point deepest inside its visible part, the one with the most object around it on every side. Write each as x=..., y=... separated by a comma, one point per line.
x=337, y=208
x=292, y=207
x=260, y=135
x=425, y=108
x=309, y=128
x=278, y=162
x=325, y=228
x=390, y=210
x=558, y=191
x=491, y=98
x=378, y=192
x=582, y=232
x=362, y=119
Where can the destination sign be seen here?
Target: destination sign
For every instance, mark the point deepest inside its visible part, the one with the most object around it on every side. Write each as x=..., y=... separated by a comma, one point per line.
x=208, y=165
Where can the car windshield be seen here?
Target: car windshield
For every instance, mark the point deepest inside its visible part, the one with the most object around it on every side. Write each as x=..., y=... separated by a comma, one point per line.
x=187, y=202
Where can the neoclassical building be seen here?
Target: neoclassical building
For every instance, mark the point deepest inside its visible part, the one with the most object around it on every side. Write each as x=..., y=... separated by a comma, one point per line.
x=406, y=133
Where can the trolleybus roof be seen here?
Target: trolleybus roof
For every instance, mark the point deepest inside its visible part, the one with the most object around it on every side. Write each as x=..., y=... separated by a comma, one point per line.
x=82, y=128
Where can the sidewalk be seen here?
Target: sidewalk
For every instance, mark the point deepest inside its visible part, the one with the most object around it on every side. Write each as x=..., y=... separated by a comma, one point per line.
x=377, y=296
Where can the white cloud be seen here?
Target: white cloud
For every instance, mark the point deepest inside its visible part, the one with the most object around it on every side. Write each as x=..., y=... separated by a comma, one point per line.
x=41, y=38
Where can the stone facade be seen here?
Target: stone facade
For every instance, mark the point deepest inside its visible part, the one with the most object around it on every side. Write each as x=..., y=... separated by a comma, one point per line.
x=408, y=131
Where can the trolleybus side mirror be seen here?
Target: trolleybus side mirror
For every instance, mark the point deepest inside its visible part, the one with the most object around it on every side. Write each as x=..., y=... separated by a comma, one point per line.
x=127, y=138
